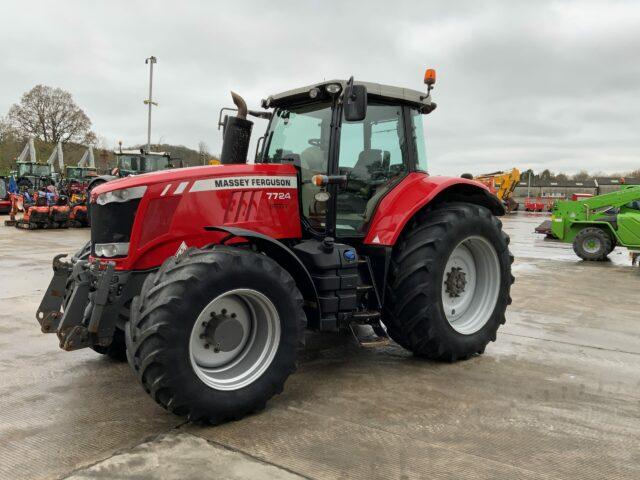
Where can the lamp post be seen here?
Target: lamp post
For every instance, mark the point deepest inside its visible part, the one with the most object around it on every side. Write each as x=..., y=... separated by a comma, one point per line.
x=149, y=102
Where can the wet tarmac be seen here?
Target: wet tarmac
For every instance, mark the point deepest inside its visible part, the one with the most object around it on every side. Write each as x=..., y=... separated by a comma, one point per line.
x=556, y=396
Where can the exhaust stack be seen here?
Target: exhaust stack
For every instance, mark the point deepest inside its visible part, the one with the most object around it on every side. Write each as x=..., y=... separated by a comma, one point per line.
x=237, y=134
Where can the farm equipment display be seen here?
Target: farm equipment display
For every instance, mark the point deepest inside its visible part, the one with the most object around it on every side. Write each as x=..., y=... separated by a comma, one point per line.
x=207, y=277
x=502, y=185
x=36, y=195
x=44, y=213
x=596, y=225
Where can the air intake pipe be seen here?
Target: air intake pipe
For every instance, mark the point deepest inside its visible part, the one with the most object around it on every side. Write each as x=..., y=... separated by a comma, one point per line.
x=237, y=134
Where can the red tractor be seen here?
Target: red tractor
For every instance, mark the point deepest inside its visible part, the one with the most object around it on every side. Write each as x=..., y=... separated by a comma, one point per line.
x=207, y=277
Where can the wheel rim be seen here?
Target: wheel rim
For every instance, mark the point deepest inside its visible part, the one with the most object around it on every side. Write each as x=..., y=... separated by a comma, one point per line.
x=592, y=245
x=470, y=285
x=234, y=339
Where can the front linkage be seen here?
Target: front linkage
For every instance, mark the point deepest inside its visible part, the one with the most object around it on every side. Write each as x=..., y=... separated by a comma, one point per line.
x=83, y=300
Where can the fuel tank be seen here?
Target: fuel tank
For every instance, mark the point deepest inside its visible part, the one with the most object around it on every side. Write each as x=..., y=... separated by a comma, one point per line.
x=164, y=211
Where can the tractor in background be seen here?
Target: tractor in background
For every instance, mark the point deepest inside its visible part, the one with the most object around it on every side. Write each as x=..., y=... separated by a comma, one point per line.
x=596, y=225
x=36, y=195
x=5, y=196
x=75, y=185
x=134, y=162
x=206, y=278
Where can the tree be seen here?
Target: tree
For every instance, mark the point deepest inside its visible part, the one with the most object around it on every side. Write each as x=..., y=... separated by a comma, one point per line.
x=546, y=175
x=51, y=115
x=581, y=176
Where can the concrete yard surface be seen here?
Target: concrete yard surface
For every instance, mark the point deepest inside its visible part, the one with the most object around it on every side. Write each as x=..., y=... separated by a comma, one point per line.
x=557, y=396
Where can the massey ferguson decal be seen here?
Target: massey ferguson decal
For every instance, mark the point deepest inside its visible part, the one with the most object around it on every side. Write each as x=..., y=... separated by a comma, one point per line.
x=244, y=182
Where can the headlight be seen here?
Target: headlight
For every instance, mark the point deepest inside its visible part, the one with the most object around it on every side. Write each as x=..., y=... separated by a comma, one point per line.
x=111, y=249
x=122, y=195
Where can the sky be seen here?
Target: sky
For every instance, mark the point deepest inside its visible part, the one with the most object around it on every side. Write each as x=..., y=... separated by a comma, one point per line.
x=532, y=84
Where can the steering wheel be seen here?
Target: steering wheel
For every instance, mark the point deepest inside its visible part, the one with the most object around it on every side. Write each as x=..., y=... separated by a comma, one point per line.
x=315, y=142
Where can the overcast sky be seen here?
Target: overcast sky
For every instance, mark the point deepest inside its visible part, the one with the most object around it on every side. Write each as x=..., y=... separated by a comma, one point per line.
x=541, y=84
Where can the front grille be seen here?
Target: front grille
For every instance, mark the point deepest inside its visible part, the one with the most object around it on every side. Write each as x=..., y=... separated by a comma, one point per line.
x=112, y=223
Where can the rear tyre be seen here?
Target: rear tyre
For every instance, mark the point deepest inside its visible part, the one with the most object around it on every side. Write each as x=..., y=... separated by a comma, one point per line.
x=449, y=284
x=214, y=334
x=593, y=244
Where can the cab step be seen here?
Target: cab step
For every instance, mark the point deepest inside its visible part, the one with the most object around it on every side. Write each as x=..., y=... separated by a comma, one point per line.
x=366, y=337
x=365, y=316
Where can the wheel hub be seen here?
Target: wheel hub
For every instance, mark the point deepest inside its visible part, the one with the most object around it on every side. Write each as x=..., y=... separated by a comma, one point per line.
x=223, y=332
x=456, y=282
x=234, y=339
x=470, y=284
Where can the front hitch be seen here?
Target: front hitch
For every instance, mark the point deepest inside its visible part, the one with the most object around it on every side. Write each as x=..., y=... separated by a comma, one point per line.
x=48, y=314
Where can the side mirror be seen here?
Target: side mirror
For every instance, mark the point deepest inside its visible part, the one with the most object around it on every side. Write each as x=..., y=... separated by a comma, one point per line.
x=355, y=102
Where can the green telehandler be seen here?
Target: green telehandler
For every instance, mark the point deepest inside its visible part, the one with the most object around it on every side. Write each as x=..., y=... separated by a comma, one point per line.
x=598, y=224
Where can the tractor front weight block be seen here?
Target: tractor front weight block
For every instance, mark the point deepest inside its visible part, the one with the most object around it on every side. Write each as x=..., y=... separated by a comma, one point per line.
x=82, y=302
x=48, y=314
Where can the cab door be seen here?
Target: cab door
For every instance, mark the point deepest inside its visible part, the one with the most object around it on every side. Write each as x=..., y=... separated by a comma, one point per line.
x=374, y=155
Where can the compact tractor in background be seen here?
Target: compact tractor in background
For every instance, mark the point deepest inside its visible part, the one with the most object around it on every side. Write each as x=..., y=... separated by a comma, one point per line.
x=596, y=225
x=207, y=277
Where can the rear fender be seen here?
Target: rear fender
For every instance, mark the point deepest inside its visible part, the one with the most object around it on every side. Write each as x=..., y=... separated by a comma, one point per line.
x=418, y=191
x=286, y=259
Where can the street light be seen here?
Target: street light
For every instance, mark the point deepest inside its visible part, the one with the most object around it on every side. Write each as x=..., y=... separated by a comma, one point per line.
x=149, y=102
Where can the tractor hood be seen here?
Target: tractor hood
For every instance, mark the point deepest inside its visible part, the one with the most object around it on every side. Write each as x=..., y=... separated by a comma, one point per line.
x=191, y=175
x=148, y=217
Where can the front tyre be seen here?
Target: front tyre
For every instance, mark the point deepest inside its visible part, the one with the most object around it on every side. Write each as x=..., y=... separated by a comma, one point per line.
x=593, y=244
x=449, y=284
x=214, y=333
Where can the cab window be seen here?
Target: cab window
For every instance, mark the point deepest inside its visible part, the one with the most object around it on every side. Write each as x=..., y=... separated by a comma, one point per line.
x=418, y=140
x=373, y=155
x=303, y=132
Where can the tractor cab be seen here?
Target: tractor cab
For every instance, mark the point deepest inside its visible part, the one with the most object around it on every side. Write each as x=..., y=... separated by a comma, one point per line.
x=136, y=162
x=80, y=174
x=351, y=143
x=31, y=175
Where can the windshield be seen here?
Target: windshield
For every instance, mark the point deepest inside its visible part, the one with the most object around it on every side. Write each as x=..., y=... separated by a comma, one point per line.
x=302, y=131
x=74, y=173
x=3, y=188
x=155, y=163
x=129, y=162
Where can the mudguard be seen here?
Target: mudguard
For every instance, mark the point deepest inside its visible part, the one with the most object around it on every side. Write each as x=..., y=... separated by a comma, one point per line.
x=284, y=256
x=415, y=192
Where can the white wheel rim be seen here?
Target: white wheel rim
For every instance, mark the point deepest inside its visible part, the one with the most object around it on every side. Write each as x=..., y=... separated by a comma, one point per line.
x=252, y=351
x=471, y=285
x=592, y=244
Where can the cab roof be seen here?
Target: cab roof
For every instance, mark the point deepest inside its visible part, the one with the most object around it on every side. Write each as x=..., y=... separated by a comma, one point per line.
x=403, y=95
x=137, y=152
